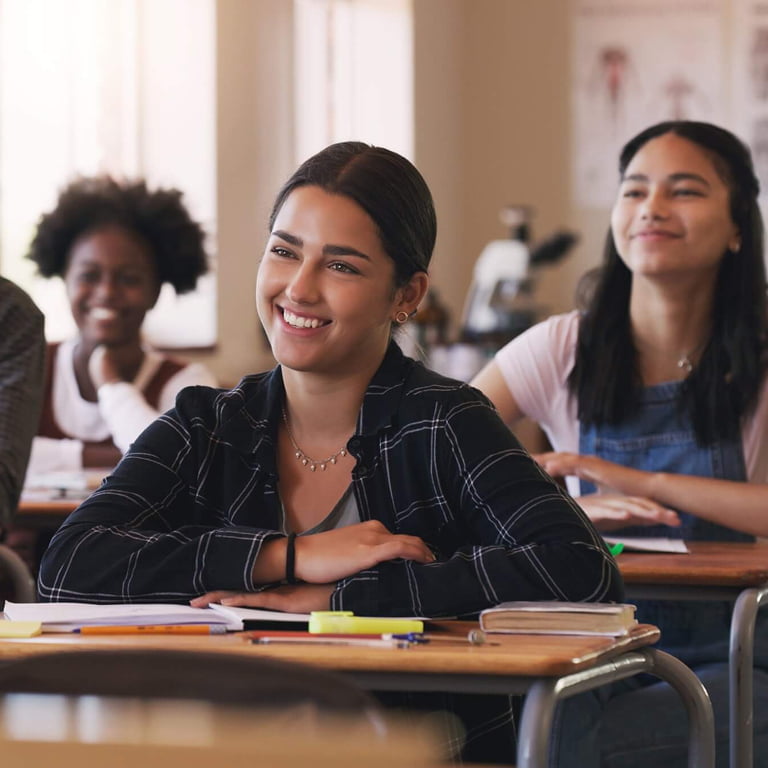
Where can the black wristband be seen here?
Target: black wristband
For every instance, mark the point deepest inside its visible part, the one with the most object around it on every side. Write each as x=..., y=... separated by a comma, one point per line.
x=290, y=559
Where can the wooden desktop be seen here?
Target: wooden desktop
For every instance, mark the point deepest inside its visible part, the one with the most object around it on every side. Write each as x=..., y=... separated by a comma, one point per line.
x=714, y=571
x=546, y=667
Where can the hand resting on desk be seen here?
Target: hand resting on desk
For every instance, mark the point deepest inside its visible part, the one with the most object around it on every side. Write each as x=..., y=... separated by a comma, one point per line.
x=615, y=505
x=321, y=560
x=329, y=556
x=610, y=511
x=291, y=598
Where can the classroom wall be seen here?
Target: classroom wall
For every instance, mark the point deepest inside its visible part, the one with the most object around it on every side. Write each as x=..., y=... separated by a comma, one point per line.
x=491, y=114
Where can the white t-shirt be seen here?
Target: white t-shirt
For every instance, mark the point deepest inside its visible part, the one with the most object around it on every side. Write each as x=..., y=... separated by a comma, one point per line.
x=121, y=412
x=536, y=364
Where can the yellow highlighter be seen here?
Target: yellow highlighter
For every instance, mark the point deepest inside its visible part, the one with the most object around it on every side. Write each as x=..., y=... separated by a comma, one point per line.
x=346, y=623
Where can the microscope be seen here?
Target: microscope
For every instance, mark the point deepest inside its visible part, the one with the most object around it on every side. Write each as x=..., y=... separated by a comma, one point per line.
x=500, y=303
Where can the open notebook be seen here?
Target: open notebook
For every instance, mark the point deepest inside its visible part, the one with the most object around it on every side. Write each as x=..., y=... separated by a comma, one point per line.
x=69, y=617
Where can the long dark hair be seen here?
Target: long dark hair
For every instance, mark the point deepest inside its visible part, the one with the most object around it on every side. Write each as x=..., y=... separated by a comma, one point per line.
x=387, y=186
x=725, y=383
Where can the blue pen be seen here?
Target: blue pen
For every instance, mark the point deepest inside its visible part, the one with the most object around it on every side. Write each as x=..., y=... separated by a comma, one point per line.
x=411, y=637
x=474, y=637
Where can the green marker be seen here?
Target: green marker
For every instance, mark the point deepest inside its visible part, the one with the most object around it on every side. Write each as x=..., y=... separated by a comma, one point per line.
x=616, y=549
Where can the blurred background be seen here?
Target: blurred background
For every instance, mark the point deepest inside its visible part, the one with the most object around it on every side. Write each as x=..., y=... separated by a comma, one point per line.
x=513, y=110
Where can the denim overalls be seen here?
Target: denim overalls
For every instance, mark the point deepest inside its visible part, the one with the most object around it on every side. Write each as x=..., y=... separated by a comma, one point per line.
x=639, y=722
x=660, y=438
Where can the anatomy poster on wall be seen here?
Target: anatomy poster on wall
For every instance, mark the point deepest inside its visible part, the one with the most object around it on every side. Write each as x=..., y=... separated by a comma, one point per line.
x=749, y=87
x=635, y=63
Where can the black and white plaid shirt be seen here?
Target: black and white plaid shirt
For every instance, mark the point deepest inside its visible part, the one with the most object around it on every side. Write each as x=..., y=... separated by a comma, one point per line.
x=22, y=361
x=189, y=506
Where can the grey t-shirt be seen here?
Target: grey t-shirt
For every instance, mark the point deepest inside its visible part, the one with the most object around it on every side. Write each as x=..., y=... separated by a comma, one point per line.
x=344, y=513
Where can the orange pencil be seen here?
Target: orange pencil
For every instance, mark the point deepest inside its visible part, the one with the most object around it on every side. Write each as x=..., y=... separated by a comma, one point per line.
x=153, y=629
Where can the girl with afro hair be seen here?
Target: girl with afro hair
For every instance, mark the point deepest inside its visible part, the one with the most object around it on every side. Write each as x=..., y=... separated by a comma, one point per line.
x=114, y=244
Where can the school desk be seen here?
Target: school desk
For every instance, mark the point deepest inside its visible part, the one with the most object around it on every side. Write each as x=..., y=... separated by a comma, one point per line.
x=124, y=732
x=546, y=667
x=46, y=513
x=713, y=571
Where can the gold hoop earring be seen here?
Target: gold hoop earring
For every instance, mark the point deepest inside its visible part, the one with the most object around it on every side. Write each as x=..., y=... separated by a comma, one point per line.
x=401, y=317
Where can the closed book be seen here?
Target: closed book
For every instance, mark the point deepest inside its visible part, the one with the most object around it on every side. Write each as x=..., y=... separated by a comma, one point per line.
x=559, y=618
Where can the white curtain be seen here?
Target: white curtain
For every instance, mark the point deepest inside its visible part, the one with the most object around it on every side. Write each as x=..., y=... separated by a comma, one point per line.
x=354, y=74
x=125, y=87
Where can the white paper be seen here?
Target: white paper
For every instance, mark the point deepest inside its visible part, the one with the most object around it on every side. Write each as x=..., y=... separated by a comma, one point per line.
x=649, y=544
x=236, y=612
x=67, y=617
x=583, y=632
x=557, y=606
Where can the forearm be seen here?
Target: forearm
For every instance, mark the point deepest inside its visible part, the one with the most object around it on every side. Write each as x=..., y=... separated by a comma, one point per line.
x=475, y=578
x=270, y=565
x=100, y=562
x=738, y=505
x=126, y=412
x=152, y=532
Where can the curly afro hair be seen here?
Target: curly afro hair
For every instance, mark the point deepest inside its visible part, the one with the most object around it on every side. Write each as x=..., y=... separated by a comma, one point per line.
x=157, y=216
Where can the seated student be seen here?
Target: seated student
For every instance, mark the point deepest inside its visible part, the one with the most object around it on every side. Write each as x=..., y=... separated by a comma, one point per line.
x=114, y=244
x=22, y=346
x=22, y=359
x=349, y=476
x=655, y=399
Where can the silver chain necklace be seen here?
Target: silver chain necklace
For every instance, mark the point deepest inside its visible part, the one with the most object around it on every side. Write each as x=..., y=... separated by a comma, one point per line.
x=305, y=460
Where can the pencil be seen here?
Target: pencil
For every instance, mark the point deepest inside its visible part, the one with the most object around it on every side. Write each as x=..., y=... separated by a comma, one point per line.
x=153, y=629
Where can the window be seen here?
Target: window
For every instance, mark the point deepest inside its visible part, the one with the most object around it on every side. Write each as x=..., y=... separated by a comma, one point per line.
x=125, y=87
x=354, y=74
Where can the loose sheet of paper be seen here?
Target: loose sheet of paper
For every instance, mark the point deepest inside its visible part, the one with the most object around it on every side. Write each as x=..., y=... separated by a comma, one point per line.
x=649, y=544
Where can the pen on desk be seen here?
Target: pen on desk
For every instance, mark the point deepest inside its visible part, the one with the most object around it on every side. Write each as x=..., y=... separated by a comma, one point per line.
x=153, y=629
x=277, y=634
x=347, y=641
x=474, y=637
x=616, y=549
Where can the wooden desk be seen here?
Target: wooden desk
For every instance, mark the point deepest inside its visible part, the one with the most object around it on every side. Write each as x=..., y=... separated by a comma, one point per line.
x=714, y=571
x=48, y=499
x=124, y=732
x=546, y=667
x=44, y=513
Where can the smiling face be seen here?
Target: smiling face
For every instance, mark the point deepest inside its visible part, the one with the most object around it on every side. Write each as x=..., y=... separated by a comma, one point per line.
x=325, y=290
x=111, y=282
x=672, y=215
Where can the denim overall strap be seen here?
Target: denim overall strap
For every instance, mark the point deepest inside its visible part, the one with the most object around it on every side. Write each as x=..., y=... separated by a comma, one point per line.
x=659, y=437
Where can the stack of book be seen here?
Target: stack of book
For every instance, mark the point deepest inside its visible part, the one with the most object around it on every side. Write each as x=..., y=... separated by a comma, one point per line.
x=561, y=618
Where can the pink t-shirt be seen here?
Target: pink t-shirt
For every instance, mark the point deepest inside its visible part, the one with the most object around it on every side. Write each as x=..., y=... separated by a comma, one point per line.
x=536, y=364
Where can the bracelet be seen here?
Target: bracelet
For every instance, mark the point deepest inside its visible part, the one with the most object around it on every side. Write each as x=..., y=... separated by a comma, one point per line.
x=290, y=560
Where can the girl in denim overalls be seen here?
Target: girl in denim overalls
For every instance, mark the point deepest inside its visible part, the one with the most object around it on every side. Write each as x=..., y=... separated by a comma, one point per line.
x=655, y=398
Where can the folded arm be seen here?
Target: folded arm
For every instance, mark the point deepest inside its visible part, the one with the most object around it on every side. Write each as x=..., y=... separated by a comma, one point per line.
x=738, y=505
x=126, y=410
x=500, y=527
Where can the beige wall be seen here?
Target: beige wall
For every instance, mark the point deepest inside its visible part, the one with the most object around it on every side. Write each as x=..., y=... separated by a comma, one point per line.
x=254, y=155
x=492, y=128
